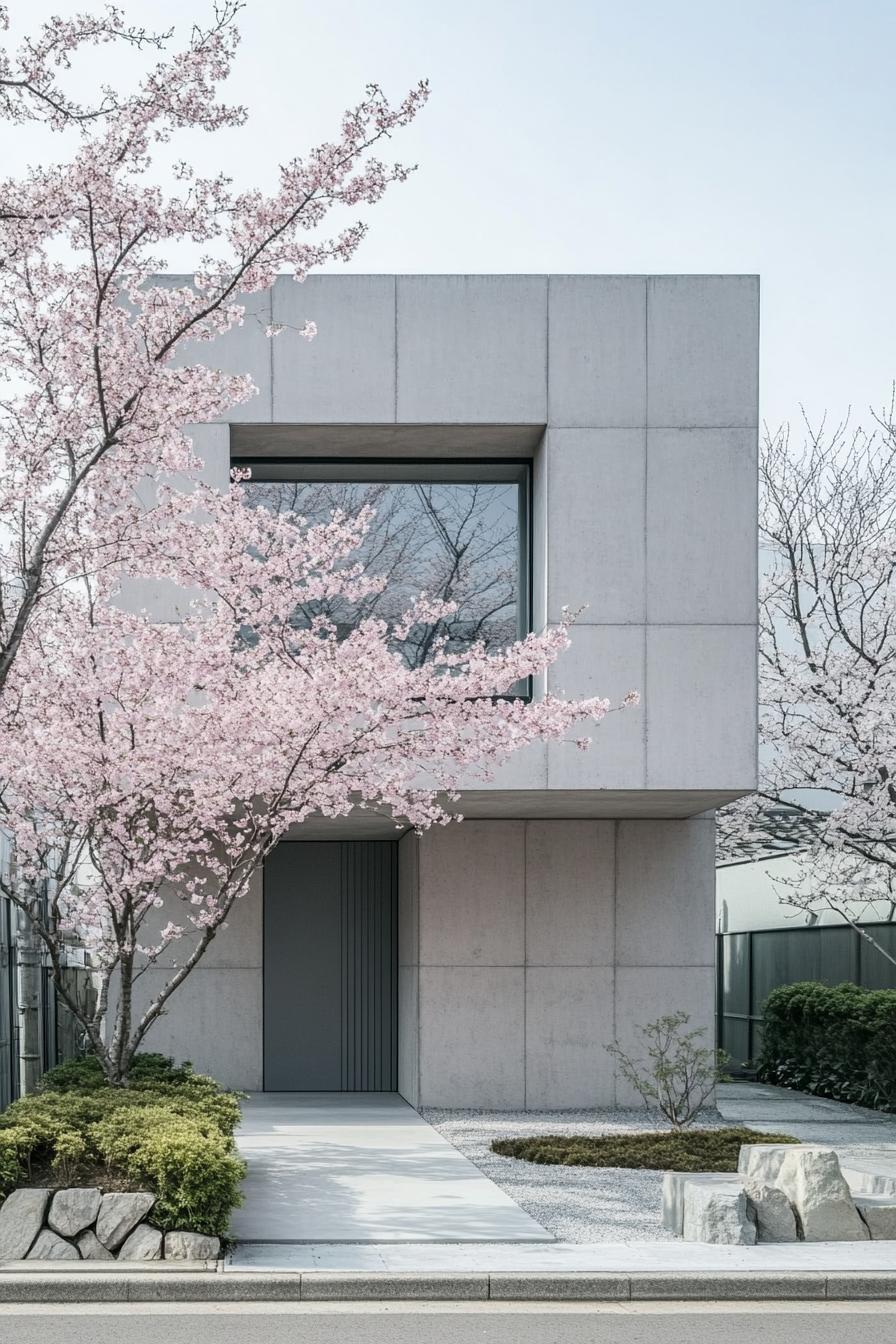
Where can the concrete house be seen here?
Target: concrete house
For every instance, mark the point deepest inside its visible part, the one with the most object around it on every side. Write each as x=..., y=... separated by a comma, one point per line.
x=607, y=427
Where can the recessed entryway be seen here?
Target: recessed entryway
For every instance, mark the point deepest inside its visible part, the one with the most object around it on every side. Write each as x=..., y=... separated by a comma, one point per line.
x=330, y=967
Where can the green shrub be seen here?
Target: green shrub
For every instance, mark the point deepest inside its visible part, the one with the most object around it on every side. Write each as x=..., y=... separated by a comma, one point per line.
x=675, y=1150
x=838, y=1042
x=170, y=1131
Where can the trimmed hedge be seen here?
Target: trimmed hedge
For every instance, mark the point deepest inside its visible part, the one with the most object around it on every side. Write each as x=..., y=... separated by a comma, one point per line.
x=170, y=1132
x=663, y=1150
x=837, y=1042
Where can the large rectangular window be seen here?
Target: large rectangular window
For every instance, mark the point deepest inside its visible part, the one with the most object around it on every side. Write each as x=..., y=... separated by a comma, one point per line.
x=458, y=531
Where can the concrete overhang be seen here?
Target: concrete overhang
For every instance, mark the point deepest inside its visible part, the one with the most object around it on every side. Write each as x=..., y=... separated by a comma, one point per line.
x=405, y=440
x=532, y=805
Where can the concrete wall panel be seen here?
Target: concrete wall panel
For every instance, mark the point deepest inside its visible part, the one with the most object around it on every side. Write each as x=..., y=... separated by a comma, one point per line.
x=347, y=373
x=595, y=526
x=472, y=348
x=604, y=660
x=700, y=700
x=214, y=1020
x=703, y=350
x=568, y=1009
x=665, y=893
x=408, y=1034
x=570, y=877
x=472, y=894
x=472, y=1036
x=597, y=336
x=645, y=993
x=702, y=543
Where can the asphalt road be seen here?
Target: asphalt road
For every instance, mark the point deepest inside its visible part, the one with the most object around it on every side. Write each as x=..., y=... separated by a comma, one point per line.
x=406, y=1323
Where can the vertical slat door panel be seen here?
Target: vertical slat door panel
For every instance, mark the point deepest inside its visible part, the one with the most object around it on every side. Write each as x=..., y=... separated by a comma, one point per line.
x=330, y=967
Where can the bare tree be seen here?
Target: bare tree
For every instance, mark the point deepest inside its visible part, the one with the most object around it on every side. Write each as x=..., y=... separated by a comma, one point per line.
x=827, y=666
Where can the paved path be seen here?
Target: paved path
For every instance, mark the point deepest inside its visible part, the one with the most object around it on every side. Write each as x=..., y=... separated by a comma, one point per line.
x=811, y=1119
x=455, y=1323
x=363, y=1167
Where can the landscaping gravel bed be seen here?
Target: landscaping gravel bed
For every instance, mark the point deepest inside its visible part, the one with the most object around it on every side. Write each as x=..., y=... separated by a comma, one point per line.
x=584, y=1204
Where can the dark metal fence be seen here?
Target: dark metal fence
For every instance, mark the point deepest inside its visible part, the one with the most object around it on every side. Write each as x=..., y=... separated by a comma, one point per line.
x=751, y=965
x=8, y=1051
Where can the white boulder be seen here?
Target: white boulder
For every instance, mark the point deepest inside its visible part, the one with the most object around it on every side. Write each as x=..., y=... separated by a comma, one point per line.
x=878, y=1213
x=813, y=1182
x=775, y=1219
x=717, y=1215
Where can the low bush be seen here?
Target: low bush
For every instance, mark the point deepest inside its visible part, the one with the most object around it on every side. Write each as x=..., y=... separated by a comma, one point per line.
x=836, y=1041
x=665, y=1150
x=170, y=1132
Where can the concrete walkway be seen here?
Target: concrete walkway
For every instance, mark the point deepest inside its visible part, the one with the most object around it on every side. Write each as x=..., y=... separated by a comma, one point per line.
x=362, y=1167
x=852, y=1130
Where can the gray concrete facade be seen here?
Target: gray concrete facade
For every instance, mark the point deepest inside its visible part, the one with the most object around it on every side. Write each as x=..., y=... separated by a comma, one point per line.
x=576, y=901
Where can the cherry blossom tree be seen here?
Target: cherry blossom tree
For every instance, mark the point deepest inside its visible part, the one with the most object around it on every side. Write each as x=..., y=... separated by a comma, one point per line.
x=99, y=360
x=151, y=767
x=827, y=660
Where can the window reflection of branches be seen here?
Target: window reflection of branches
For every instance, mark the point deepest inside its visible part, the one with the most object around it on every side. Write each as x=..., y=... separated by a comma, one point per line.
x=457, y=541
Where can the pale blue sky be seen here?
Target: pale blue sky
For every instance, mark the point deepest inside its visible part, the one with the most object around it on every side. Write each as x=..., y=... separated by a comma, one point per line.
x=698, y=136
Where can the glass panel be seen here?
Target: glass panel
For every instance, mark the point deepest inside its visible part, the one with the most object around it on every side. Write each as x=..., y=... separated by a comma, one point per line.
x=455, y=531
x=735, y=973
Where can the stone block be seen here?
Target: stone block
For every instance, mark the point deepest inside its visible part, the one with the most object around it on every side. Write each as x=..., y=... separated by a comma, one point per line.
x=119, y=1214
x=772, y=1212
x=717, y=1215
x=716, y=1286
x=553, y=1287
x=323, y=1286
x=814, y=1184
x=674, y=1184
x=144, y=1243
x=878, y=1212
x=761, y=1162
x=91, y=1248
x=21, y=1218
x=49, y=1246
x=191, y=1246
x=73, y=1210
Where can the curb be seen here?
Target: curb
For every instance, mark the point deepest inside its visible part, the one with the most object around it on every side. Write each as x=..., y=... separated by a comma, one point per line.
x=322, y=1286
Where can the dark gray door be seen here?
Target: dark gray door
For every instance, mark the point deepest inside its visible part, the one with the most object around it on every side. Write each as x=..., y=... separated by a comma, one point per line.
x=330, y=967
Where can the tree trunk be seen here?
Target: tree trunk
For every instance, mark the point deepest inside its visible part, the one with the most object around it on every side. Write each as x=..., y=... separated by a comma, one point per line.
x=29, y=977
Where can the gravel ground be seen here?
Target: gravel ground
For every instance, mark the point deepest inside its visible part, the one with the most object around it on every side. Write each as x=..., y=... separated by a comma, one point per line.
x=584, y=1204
